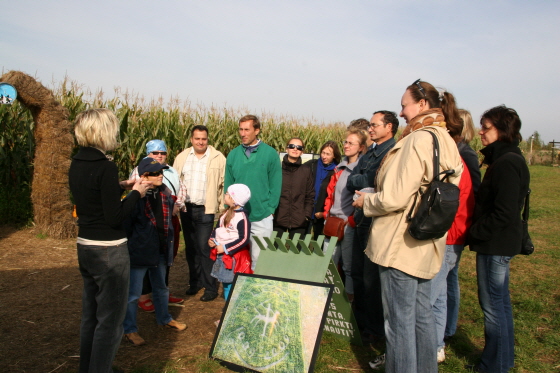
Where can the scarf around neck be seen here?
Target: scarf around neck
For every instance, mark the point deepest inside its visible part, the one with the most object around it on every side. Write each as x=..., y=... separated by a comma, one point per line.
x=431, y=117
x=322, y=172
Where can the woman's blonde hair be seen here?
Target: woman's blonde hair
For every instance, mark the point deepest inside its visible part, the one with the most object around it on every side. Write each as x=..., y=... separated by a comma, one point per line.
x=468, y=126
x=362, y=137
x=98, y=128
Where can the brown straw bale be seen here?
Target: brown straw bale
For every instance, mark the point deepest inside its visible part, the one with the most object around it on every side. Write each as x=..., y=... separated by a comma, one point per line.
x=54, y=142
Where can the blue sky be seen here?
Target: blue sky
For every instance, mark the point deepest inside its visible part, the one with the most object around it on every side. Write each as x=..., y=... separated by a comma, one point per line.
x=328, y=60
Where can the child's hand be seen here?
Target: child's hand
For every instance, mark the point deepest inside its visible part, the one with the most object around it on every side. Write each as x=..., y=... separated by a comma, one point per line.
x=220, y=249
x=211, y=243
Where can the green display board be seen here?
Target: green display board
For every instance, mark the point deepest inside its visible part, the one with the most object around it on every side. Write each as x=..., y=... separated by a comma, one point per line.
x=304, y=260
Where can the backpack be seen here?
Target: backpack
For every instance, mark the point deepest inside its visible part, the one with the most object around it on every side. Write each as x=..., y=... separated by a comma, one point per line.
x=438, y=204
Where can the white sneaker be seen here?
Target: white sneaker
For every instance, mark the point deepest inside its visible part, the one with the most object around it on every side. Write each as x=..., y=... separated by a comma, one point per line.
x=377, y=362
x=441, y=355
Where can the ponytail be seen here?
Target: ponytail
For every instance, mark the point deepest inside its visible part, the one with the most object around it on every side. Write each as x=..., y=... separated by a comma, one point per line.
x=453, y=120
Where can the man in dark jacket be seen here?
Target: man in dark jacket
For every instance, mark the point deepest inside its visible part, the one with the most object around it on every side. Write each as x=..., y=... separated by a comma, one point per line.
x=368, y=308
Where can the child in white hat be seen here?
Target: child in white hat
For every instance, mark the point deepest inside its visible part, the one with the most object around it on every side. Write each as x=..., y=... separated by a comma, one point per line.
x=230, y=240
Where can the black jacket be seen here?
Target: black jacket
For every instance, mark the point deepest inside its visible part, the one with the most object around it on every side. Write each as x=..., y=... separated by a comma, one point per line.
x=144, y=242
x=319, y=203
x=94, y=183
x=296, y=199
x=496, y=228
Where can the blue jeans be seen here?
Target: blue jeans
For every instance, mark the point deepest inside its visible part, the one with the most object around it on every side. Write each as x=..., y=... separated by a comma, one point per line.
x=343, y=249
x=262, y=228
x=439, y=290
x=105, y=272
x=160, y=294
x=368, y=306
x=453, y=298
x=492, y=272
x=197, y=227
x=409, y=323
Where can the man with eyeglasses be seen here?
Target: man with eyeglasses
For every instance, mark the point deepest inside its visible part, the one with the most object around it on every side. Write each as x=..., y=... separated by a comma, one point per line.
x=201, y=168
x=368, y=308
x=256, y=165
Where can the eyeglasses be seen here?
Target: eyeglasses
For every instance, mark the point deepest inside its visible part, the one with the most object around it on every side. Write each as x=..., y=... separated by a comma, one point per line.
x=350, y=143
x=417, y=82
x=159, y=153
x=154, y=174
x=294, y=146
x=485, y=129
x=371, y=125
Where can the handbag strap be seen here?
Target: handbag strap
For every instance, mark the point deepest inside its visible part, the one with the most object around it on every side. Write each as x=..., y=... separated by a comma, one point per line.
x=525, y=215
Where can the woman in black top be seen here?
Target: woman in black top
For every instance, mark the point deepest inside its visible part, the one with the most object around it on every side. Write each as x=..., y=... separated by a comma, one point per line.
x=496, y=232
x=322, y=170
x=102, y=250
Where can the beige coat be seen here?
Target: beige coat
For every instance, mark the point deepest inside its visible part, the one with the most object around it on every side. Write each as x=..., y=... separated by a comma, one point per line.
x=406, y=167
x=214, y=178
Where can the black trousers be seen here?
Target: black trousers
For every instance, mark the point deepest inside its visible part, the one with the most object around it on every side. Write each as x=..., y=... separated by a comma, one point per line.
x=197, y=227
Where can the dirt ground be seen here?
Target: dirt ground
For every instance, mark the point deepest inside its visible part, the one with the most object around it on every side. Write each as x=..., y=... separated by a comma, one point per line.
x=40, y=308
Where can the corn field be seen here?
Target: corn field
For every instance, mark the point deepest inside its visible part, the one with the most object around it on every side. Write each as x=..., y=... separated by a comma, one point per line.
x=141, y=122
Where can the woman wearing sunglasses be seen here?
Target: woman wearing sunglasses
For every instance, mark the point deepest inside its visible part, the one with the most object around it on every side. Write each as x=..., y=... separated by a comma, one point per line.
x=296, y=200
x=156, y=149
x=407, y=265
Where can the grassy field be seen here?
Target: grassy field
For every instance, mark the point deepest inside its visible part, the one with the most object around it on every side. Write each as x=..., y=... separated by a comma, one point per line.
x=535, y=296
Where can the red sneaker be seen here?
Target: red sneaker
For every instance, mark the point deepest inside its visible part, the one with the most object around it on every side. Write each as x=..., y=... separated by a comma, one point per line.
x=175, y=300
x=146, y=305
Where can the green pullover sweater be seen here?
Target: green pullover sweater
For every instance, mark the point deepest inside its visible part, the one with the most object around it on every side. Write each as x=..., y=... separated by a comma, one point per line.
x=262, y=173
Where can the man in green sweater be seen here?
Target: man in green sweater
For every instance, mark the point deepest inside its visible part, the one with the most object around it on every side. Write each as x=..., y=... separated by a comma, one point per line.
x=256, y=165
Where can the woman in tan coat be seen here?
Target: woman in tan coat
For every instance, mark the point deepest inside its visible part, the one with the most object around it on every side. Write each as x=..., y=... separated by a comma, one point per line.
x=407, y=265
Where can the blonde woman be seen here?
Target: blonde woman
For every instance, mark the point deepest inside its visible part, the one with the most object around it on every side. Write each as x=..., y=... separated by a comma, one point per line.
x=102, y=244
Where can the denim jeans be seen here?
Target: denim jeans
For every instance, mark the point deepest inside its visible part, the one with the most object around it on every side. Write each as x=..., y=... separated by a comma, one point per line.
x=160, y=294
x=105, y=272
x=343, y=249
x=197, y=227
x=262, y=228
x=409, y=323
x=492, y=272
x=453, y=298
x=368, y=306
x=439, y=290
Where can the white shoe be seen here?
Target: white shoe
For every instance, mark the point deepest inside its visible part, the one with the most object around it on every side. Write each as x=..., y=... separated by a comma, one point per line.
x=441, y=355
x=377, y=362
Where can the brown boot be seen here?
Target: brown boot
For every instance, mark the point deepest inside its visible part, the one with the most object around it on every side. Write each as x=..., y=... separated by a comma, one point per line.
x=179, y=326
x=135, y=339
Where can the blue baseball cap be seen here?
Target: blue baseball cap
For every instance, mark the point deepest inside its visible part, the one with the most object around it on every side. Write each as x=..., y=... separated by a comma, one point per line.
x=149, y=165
x=155, y=146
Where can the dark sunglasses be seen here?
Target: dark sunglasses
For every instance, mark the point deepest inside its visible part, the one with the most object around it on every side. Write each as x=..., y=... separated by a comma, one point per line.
x=417, y=82
x=154, y=174
x=294, y=146
x=159, y=153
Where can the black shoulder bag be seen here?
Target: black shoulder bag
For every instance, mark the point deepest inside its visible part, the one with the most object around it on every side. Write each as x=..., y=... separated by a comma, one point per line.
x=527, y=246
x=438, y=204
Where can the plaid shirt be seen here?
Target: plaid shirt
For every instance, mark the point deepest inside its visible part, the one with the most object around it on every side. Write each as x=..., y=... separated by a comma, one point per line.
x=194, y=179
x=166, y=213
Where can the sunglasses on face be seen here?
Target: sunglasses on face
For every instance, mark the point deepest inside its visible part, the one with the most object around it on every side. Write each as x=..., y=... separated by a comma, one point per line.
x=159, y=153
x=417, y=82
x=154, y=174
x=294, y=146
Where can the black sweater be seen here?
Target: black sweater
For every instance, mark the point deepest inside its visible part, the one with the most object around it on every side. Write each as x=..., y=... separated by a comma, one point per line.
x=496, y=227
x=94, y=183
